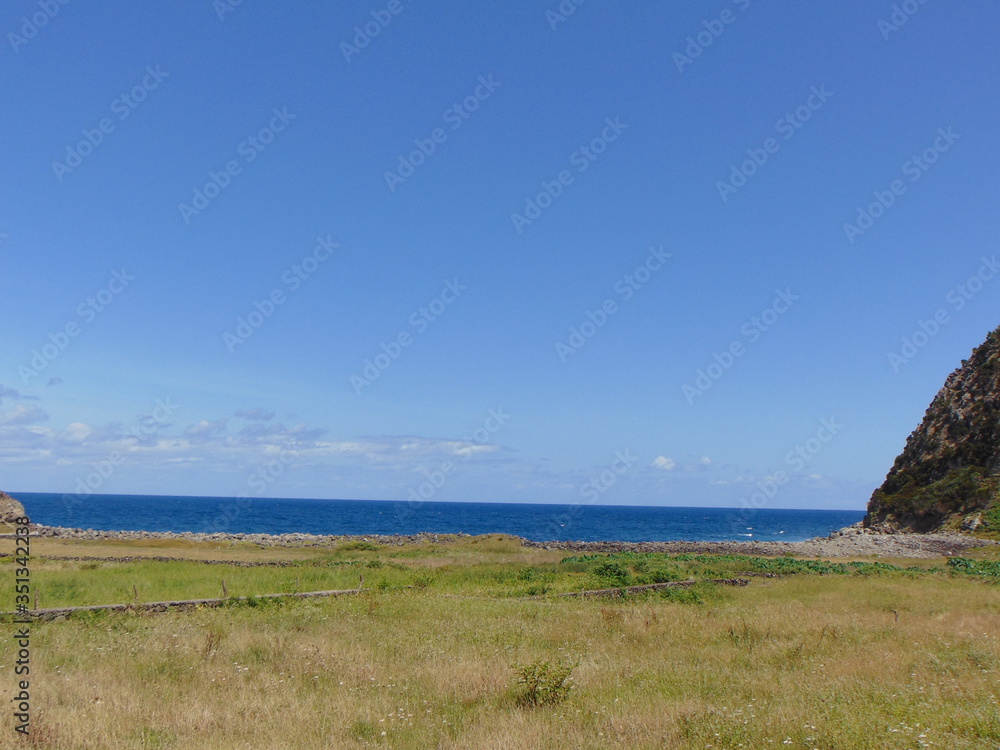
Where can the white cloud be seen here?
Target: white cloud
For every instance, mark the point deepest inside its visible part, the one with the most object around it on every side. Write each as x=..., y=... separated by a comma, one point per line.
x=221, y=453
x=206, y=430
x=396, y=451
x=22, y=414
x=269, y=433
x=662, y=462
x=77, y=432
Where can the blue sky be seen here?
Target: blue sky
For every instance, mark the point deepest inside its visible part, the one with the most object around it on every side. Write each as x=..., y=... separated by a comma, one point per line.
x=638, y=253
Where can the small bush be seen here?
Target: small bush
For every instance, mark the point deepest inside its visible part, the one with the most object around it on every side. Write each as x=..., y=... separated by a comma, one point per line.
x=254, y=602
x=544, y=683
x=613, y=573
x=657, y=574
x=991, y=518
x=537, y=589
x=540, y=582
x=359, y=544
x=423, y=580
x=213, y=639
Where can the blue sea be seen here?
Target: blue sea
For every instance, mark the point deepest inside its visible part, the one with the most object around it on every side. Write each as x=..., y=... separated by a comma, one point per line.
x=363, y=517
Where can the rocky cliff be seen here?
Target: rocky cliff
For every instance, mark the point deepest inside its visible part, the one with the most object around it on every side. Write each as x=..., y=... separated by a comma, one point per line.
x=10, y=508
x=948, y=475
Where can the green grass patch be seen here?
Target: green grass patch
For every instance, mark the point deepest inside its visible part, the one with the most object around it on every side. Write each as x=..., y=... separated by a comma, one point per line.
x=985, y=568
x=644, y=567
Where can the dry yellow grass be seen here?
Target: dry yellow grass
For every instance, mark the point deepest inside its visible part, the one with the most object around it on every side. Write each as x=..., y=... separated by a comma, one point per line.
x=832, y=662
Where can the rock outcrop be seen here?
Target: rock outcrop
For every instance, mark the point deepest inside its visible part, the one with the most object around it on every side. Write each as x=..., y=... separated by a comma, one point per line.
x=10, y=508
x=948, y=475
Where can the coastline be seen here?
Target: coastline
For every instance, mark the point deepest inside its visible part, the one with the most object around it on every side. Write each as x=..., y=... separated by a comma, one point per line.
x=852, y=541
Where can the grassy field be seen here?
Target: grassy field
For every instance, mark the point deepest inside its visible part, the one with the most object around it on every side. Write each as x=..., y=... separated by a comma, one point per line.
x=879, y=654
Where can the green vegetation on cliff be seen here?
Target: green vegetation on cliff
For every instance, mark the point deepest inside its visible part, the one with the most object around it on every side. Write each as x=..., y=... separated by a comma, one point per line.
x=925, y=507
x=948, y=475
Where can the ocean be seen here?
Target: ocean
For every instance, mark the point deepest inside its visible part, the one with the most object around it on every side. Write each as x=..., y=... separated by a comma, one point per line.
x=363, y=517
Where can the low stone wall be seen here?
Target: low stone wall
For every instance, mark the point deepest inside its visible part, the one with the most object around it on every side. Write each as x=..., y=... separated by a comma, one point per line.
x=61, y=613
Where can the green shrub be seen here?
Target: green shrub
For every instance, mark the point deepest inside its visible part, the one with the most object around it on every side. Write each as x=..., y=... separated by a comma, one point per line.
x=657, y=574
x=537, y=589
x=987, y=568
x=613, y=573
x=545, y=683
x=358, y=544
x=925, y=505
x=686, y=594
x=423, y=580
x=991, y=518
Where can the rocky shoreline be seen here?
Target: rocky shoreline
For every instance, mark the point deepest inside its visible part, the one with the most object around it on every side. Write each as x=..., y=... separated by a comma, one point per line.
x=853, y=541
